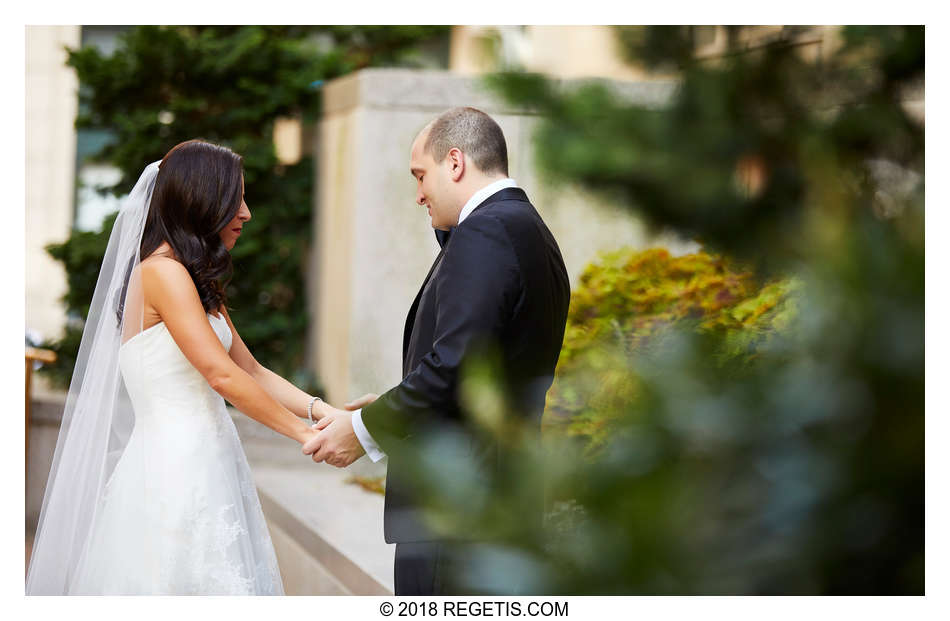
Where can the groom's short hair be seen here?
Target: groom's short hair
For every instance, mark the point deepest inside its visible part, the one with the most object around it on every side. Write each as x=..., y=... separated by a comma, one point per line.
x=472, y=131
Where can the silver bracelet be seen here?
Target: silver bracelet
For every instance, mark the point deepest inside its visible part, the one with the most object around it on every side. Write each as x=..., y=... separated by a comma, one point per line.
x=310, y=409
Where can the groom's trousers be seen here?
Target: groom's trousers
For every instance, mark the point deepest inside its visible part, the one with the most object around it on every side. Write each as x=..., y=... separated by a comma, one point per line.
x=416, y=569
x=450, y=568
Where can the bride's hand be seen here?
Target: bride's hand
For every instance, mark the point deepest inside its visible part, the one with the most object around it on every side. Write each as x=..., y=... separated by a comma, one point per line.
x=321, y=409
x=358, y=404
x=336, y=443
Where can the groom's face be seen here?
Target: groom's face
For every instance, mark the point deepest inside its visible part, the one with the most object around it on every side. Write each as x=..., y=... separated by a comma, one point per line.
x=434, y=189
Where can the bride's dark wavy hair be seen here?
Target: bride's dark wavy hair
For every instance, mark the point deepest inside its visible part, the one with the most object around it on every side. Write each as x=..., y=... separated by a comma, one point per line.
x=197, y=192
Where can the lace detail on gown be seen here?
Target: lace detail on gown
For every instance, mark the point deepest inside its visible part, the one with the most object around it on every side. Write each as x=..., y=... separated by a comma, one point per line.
x=180, y=513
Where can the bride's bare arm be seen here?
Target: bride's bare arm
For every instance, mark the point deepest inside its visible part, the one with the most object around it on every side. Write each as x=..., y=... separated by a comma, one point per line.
x=289, y=395
x=170, y=290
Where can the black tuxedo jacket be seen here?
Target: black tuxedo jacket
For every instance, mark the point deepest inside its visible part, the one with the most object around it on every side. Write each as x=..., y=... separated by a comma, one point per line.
x=498, y=283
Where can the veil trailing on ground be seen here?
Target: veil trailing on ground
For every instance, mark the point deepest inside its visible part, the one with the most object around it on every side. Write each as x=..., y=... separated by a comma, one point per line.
x=98, y=417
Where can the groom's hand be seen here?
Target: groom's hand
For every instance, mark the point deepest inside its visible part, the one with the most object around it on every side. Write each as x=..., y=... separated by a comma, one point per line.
x=362, y=402
x=336, y=443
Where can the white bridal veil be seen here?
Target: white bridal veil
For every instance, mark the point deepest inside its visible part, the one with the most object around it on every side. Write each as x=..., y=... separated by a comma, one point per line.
x=98, y=417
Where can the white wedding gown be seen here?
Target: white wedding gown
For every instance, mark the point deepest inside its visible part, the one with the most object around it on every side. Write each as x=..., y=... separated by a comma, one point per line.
x=180, y=513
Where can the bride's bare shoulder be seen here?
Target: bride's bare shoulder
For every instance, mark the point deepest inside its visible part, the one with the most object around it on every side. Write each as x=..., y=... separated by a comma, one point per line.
x=161, y=266
x=162, y=273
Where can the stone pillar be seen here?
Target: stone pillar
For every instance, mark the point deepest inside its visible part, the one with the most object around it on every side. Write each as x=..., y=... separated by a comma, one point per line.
x=51, y=105
x=374, y=245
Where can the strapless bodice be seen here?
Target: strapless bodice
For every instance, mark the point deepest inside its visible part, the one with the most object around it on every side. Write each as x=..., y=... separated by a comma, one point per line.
x=159, y=378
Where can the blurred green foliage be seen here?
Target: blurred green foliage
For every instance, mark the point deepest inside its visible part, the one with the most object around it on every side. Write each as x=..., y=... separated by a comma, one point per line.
x=723, y=450
x=227, y=84
x=629, y=299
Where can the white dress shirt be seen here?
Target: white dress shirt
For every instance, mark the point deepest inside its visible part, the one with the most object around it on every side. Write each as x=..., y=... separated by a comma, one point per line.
x=369, y=445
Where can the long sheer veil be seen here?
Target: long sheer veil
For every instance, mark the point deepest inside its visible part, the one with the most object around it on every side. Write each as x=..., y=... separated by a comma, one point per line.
x=98, y=417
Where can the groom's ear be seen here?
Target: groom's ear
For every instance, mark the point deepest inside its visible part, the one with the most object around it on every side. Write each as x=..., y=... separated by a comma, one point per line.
x=455, y=160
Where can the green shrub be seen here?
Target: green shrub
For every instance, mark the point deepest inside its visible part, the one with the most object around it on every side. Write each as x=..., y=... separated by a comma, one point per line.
x=625, y=301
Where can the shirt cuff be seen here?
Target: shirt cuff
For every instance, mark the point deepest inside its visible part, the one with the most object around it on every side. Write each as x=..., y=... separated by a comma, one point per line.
x=369, y=445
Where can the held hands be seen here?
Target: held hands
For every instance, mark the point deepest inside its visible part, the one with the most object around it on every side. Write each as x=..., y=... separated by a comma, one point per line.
x=336, y=442
x=362, y=402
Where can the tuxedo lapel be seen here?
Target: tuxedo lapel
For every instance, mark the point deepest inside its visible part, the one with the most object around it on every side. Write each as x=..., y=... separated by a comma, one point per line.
x=411, y=318
x=443, y=237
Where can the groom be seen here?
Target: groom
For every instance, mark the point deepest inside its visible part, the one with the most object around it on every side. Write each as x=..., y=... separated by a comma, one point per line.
x=499, y=280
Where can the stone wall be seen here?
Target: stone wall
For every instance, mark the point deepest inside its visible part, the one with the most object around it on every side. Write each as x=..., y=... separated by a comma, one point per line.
x=46, y=414
x=51, y=105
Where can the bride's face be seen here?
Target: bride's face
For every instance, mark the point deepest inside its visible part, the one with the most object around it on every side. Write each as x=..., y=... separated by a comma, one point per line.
x=230, y=233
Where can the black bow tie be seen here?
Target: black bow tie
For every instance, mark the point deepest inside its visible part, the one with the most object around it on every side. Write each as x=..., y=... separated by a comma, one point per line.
x=443, y=236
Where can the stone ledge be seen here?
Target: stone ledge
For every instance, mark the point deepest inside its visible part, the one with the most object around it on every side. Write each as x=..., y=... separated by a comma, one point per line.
x=435, y=91
x=46, y=408
x=344, y=571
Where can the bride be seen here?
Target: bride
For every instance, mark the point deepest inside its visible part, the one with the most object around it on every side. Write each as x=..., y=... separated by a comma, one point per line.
x=150, y=491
